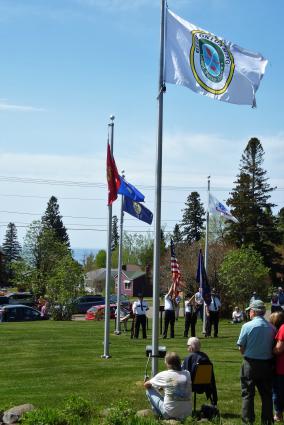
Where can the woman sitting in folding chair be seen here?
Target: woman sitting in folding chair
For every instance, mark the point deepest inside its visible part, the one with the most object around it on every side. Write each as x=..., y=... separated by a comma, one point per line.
x=191, y=363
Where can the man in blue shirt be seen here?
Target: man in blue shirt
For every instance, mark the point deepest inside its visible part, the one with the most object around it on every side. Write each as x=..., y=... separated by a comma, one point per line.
x=255, y=344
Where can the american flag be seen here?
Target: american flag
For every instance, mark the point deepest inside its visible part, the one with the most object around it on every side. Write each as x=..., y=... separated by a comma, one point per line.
x=174, y=264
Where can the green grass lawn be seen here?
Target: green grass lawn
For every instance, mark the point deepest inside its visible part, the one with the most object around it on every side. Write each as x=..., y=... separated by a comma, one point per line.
x=45, y=362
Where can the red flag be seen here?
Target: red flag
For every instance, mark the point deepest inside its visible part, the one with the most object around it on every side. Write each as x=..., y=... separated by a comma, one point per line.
x=176, y=275
x=113, y=179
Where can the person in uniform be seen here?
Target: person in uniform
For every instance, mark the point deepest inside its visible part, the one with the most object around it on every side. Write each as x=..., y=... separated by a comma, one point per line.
x=139, y=309
x=212, y=314
x=190, y=315
x=169, y=313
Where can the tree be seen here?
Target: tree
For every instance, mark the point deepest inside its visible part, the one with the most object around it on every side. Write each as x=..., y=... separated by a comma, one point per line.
x=177, y=236
x=250, y=204
x=64, y=283
x=30, y=252
x=100, y=259
x=53, y=220
x=89, y=263
x=280, y=224
x=114, y=234
x=193, y=219
x=242, y=272
x=11, y=250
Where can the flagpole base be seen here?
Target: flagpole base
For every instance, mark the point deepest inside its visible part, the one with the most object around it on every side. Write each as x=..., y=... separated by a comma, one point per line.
x=117, y=333
x=105, y=356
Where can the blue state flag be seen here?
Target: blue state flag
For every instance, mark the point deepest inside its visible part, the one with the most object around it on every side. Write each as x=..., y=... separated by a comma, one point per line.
x=137, y=210
x=130, y=191
x=201, y=278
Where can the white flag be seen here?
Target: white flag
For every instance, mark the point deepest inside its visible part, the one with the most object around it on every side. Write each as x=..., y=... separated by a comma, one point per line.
x=210, y=65
x=216, y=207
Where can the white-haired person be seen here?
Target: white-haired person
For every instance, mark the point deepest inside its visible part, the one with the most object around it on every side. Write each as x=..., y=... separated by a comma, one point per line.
x=190, y=363
x=175, y=403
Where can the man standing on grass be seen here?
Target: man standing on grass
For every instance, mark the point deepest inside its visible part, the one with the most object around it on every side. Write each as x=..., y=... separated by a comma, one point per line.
x=255, y=344
x=139, y=309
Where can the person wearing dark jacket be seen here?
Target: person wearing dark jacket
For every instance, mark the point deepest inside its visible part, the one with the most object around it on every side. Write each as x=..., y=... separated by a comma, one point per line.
x=190, y=362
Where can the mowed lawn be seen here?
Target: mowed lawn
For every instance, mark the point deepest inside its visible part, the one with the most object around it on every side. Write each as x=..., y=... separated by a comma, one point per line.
x=45, y=362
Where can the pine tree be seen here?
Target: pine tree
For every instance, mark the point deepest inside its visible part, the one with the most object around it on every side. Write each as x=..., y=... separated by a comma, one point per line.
x=114, y=234
x=177, y=236
x=52, y=220
x=193, y=219
x=250, y=204
x=11, y=249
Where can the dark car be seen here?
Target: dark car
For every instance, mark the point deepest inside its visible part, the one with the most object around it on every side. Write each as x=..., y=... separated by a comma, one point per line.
x=19, y=313
x=23, y=298
x=82, y=304
x=4, y=300
x=124, y=301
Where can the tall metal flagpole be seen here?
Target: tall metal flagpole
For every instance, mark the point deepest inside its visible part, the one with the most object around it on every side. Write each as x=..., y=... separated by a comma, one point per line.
x=118, y=327
x=206, y=247
x=106, y=354
x=158, y=192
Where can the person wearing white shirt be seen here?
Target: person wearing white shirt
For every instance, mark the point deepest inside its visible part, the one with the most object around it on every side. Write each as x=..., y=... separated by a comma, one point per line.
x=176, y=384
x=190, y=315
x=237, y=315
x=169, y=313
x=139, y=309
x=212, y=314
x=199, y=303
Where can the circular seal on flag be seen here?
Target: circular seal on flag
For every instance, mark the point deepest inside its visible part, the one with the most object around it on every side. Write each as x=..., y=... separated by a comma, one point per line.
x=211, y=62
x=137, y=208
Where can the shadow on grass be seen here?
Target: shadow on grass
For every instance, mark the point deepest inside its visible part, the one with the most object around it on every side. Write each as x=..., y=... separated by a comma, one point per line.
x=229, y=415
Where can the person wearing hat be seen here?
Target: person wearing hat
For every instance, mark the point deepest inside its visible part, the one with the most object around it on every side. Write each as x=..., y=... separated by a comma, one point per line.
x=170, y=317
x=139, y=309
x=281, y=296
x=212, y=314
x=255, y=344
x=190, y=315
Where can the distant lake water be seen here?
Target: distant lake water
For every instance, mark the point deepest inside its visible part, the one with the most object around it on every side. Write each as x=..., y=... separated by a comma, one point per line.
x=80, y=253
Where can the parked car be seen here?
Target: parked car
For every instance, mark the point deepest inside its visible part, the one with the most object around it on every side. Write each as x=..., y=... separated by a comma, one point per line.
x=124, y=300
x=4, y=300
x=82, y=304
x=19, y=313
x=97, y=312
x=23, y=298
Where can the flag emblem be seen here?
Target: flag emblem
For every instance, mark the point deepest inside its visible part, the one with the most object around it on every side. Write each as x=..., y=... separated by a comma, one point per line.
x=137, y=208
x=211, y=62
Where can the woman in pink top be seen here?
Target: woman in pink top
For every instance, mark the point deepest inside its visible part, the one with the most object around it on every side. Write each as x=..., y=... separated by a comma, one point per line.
x=278, y=382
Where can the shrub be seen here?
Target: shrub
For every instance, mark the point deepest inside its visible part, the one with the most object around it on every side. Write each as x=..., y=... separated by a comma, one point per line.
x=44, y=416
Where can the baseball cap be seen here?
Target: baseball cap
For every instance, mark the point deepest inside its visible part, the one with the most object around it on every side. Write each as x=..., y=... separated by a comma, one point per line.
x=256, y=305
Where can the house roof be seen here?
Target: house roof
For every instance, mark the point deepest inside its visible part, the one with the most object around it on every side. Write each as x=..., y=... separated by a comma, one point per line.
x=99, y=274
x=130, y=275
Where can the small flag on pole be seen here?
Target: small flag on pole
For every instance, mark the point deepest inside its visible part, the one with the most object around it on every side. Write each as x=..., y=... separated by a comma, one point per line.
x=137, y=210
x=217, y=208
x=201, y=279
x=113, y=179
x=210, y=65
x=130, y=191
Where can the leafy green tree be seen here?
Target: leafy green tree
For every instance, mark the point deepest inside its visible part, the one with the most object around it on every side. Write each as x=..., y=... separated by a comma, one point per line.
x=52, y=220
x=114, y=235
x=89, y=263
x=177, y=236
x=64, y=283
x=280, y=224
x=242, y=272
x=100, y=259
x=249, y=202
x=11, y=250
x=30, y=252
x=192, y=224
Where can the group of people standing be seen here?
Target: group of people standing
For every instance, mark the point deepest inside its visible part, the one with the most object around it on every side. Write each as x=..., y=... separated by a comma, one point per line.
x=193, y=307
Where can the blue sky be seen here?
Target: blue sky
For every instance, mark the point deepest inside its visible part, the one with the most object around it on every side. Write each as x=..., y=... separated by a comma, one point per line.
x=67, y=65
